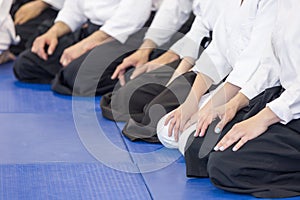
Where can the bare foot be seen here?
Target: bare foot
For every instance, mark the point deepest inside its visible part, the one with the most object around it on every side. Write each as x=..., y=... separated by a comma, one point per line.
x=6, y=56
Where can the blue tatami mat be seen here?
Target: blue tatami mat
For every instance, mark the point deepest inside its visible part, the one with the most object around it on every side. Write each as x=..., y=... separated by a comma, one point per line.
x=150, y=153
x=32, y=137
x=70, y=181
x=58, y=147
x=174, y=185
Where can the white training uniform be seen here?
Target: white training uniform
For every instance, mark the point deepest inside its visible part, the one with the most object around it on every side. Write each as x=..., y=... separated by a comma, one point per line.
x=7, y=27
x=207, y=12
x=239, y=38
x=171, y=15
x=117, y=18
x=56, y=4
x=281, y=64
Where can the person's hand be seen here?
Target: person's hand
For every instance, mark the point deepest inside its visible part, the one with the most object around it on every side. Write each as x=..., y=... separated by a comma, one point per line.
x=75, y=51
x=147, y=67
x=29, y=11
x=247, y=130
x=178, y=118
x=185, y=65
x=41, y=42
x=205, y=117
x=137, y=59
x=6, y=56
x=162, y=60
x=71, y=53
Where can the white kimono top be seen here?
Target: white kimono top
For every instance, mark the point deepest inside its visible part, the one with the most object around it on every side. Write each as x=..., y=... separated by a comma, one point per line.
x=281, y=64
x=118, y=18
x=56, y=4
x=7, y=27
x=240, y=36
x=207, y=13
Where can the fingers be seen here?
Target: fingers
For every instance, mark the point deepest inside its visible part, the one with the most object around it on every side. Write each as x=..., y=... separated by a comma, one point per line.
x=39, y=48
x=187, y=124
x=202, y=127
x=176, y=130
x=152, y=67
x=52, y=47
x=22, y=16
x=119, y=69
x=227, y=117
x=171, y=126
x=191, y=121
x=171, y=115
x=122, y=79
x=68, y=55
x=229, y=139
x=241, y=143
x=138, y=71
x=65, y=59
x=11, y=56
x=219, y=127
x=18, y=20
x=6, y=56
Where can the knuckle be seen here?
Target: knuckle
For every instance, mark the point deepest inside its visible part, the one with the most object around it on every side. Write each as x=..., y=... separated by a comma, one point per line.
x=172, y=122
x=244, y=139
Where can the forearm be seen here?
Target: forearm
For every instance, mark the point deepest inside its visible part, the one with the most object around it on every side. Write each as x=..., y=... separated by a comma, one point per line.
x=97, y=38
x=225, y=94
x=147, y=47
x=267, y=117
x=167, y=57
x=42, y=4
x=239, y=101
x=201, y=84
x=185, y=65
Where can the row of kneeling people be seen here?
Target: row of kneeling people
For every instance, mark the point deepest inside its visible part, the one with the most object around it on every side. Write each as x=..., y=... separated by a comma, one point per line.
x=220, y=74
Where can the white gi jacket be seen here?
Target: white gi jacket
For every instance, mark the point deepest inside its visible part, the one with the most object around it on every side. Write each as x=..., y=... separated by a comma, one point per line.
x=207, y=13
x=56, y=4
x=282, y=64
x=240, y=36
x=119, y=18
x=171, y=15
x=7, y=27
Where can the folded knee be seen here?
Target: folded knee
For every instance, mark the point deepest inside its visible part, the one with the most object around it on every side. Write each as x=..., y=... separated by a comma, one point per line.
x=223, y=168
x=162, y=134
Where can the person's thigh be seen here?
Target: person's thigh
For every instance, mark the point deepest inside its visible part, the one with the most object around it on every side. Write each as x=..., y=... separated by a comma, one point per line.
x=31, y=68
x=267, y=166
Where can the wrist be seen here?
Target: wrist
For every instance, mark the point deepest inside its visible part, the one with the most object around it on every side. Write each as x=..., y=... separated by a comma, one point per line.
x=42, y=5
x=147, y=47
x=267, y=117
x=169, y=57
x=239, y=101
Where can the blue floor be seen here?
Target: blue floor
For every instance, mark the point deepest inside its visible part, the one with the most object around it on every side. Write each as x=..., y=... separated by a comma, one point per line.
x=59, y=147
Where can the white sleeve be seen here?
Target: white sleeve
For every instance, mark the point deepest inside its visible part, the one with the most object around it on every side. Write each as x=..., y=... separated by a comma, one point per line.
x=5, y=7
x=287, y=106
x=189, y=45
x=266, y=76
x=130, y=16
x=67, y=14
x=57, y=4
x=212, y=61
x=7, y=27
x=171, y=15
x=250, y=58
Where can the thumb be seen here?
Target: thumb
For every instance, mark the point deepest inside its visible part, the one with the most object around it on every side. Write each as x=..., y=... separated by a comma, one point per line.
x=52, y=47
x=220, y=126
